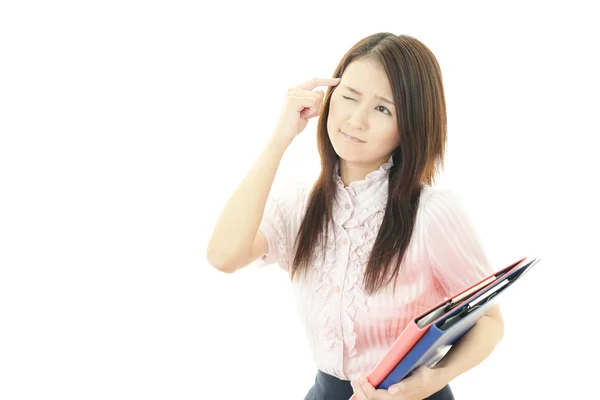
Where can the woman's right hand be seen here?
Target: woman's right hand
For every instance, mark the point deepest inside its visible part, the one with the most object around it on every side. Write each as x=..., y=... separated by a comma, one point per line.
x=301, y=104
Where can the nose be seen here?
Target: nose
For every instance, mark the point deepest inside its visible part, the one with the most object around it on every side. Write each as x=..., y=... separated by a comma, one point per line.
x=357, y=120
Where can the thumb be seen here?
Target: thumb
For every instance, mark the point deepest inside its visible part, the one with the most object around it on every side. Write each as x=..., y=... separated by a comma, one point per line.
x=306, y=113
x=395, y=389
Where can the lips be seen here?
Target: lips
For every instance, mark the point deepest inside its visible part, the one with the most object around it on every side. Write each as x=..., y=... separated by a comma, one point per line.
x=352, y=138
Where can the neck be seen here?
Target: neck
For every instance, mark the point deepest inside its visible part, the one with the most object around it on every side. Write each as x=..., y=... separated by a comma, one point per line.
x=351, y=172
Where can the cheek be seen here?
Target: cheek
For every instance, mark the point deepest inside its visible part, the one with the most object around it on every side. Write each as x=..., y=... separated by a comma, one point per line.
x=338, y=104
x=387, y=140
x=392, y=140
x=332, y=117
x=332, y=108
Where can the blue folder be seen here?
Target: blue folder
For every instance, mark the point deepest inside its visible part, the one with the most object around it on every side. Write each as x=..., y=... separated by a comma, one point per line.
x=445, y=331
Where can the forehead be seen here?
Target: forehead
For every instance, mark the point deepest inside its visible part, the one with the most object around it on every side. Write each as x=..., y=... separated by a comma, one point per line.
x=367, y=76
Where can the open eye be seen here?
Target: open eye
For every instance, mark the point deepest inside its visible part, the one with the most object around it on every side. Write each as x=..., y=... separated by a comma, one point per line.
x=386, y=110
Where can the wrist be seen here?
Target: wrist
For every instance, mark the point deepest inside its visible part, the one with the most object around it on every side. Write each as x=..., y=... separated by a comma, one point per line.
x=443, y=375
x=278, y=143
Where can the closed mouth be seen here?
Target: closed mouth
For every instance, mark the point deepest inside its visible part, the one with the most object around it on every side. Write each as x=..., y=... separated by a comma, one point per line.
x=353, y=138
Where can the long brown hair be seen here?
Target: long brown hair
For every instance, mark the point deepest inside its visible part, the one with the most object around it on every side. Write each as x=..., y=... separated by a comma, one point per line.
x=416, y=82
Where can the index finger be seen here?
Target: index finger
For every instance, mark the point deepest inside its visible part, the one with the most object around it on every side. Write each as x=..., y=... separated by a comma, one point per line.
x=313, y=83
x=359, y=393
x=368, y=389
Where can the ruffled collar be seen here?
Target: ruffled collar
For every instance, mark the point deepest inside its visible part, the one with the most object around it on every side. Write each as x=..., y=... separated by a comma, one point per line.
x=375, y=178
x=355, y=203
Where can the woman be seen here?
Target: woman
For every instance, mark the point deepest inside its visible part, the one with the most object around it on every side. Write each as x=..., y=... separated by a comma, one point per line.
x=371, y=244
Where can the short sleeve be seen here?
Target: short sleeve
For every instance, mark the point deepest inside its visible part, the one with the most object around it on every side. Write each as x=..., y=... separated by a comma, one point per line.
x=280, y=224
x=454, y=247
x=273, y=226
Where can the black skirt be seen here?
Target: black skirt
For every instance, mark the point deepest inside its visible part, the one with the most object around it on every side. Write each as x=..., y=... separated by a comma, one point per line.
x=329, y=387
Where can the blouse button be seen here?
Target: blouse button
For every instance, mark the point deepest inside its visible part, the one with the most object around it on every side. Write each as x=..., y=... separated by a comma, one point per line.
x=347, y=206
x=337, y=336
x=337, y=288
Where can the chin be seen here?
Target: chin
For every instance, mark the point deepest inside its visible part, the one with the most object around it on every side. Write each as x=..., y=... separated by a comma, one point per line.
x=349, y=152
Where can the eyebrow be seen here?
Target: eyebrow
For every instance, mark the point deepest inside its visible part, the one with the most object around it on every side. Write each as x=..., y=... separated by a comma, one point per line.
x=360, y=94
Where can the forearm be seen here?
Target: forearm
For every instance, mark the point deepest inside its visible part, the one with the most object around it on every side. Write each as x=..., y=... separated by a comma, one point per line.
x=236, y=228
x=474, y=347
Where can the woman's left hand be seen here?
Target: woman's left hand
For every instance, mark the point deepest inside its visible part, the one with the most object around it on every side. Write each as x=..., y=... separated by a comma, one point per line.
x=419, y=385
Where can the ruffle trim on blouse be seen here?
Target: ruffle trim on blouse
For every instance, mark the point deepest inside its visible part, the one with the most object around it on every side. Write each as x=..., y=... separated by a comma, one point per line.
x=354, y=297
x=364, y=221
x=371, y=178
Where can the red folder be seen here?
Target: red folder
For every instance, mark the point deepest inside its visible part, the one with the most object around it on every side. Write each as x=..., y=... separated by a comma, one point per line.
x=417, y=327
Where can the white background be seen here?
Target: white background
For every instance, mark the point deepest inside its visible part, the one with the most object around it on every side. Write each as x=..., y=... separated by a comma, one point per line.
x=125, y=126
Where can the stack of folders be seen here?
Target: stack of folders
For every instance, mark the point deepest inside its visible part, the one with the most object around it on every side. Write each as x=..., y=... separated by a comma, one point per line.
x=428, y=337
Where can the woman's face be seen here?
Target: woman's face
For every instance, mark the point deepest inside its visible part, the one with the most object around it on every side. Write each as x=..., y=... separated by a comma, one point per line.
x=362, y=123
